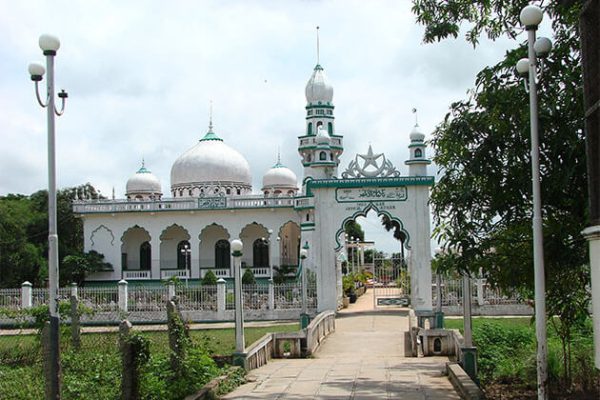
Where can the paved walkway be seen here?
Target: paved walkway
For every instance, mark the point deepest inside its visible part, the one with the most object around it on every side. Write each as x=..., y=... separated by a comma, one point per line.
x=363, y=359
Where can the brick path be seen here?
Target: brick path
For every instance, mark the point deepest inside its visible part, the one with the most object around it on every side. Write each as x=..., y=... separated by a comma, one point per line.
x=363, y=359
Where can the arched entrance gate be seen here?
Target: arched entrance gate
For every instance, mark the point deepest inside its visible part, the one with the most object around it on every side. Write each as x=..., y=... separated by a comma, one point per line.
x=330, y=203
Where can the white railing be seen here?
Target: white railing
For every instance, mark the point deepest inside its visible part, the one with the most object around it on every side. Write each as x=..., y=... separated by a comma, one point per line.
x=10, y=299
x=199, y=203
x=482, y=294
x=261, y=272
x=146, y=274
x=219, y=272
x=168, y=273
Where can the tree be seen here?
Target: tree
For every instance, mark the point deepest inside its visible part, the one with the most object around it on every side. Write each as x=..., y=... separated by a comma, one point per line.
x=76, y=267
x=482, y=203
x=353, y=229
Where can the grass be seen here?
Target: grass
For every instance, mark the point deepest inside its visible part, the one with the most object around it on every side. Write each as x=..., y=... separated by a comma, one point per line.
x=94, y=371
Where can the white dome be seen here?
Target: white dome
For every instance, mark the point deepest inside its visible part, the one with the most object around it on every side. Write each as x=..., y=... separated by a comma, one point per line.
x=318, y=90
x=143, y=182
x=416, y=135
x=322, y=137
x=211, y=161
x=279, y=176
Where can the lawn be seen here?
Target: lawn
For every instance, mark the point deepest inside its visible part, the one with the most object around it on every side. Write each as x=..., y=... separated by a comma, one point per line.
x=94, y=371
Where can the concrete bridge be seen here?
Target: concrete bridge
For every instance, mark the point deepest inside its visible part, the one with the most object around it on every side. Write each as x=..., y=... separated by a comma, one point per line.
x=362, y=359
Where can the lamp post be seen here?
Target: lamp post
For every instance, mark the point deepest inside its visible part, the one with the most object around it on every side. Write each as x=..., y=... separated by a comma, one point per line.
x=49, y=45
x=530, y=17
x=439, y=314
x=186, y=254
x=304, y=318
x=240, y=343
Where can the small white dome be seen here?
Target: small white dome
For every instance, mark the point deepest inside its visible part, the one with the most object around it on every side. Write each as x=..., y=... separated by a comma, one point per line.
x=318, y=90
x=416, y=135
x=211, y=161
x=143, y=182
x=279, y=176
x=322, y=137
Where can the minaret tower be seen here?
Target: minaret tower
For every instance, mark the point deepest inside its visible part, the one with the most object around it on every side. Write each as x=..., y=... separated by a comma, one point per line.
x=320, y=147
x=417, y=161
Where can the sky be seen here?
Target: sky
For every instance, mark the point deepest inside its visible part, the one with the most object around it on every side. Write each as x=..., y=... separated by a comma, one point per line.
x=141, y=75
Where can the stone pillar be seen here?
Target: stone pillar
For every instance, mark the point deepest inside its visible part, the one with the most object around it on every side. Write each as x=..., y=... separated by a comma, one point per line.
x=155, y=244
x=130, y=386
x=592, y=234
x=195, y=257
x=123, y=295
x=26, y=295
x=171, y=290
x=75, y=330
x=74, y=290
x=274, y=253
x=271, y=295
x=221, y=298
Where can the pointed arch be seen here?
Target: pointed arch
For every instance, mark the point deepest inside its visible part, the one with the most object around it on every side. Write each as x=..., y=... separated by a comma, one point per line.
x=98, y=230
x=170, y=239
x=136, y=249
x=363, y=213
x=289, y=235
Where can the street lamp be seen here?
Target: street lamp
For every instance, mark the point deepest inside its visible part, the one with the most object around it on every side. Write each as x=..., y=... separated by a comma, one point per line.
x=49, y=45
x=240, y=343
x=531, y=16
x=186, y=254
x=304, y=319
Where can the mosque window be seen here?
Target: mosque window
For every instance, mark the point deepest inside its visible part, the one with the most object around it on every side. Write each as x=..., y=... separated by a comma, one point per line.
x=320, y=112
x=309, y=158
x=190, y=192
x=330, y=128
x=228, y=191
x=331, y=156
x=184, y=258
x=290, y=193
x=266, y=193
x=260, y=253
x=216, y=190
x=307, y=217
x=320, y=123
x=329, y=112
x=239, y=191
x=322, y=156
x=418, y=153
x=145, y=256
x=222, y=256
x=309, y=112
x=309, y=129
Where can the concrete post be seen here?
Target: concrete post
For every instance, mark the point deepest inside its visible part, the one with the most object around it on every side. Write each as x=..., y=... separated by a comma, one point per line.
x=130, y=386
x=171, y=290
x=592, y=234
x=75, y=323
x=271, y=295
x=239, y=357
x=480, y=298
x=221, y=297
x=74, y=290
x=26, y=295
x=123, y=295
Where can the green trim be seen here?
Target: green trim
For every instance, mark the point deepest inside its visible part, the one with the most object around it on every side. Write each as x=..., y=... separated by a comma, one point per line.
x=312, y=106
x=306, y=224
x=417, y=161
x=210, y=135
x=304, y=208
x=417, y=145
x=372, y=192
x=312, y=147
x=319, y=117
x=312, y=136
x=320, y=164
x=369, y=182
x=264, y=207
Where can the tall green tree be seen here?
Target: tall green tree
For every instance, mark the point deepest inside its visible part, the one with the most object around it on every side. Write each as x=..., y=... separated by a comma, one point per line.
x=482, y=203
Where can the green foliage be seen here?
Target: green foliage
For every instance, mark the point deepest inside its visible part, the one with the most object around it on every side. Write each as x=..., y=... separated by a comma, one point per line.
x=24, y=233
x=78, y=266
x=248, y=277
x=209, y=278
x=348, y=284
x=283, y=272
x=354, y=230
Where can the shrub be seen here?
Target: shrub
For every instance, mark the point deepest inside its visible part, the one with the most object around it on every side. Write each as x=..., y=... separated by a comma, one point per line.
x=209, y=278
x=248, y=278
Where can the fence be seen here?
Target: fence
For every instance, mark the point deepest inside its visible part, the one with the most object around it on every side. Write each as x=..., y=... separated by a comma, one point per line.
x=147, y=304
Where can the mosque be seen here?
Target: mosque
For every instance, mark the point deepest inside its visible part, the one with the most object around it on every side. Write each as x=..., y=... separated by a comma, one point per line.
x=150, y=236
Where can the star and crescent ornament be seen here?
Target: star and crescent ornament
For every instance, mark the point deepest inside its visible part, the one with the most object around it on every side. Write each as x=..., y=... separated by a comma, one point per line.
x=373, y=165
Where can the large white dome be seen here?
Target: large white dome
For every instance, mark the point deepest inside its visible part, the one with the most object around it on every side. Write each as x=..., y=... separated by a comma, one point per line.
x=210, y=167
x=318, y=90
x=143, y=182
x=279, y=176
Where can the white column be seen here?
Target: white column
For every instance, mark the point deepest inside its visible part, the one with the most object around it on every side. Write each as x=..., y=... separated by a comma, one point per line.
x=123, y=295
x=592, y=234
x=271, y=295
x=74, y=289
x=195, y=257
x=171, y=290
x=26, y=295
x=155, y=251
x=480, y=299
x=274, y=252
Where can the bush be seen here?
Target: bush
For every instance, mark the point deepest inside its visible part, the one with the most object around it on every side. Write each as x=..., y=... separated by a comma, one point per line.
x=209, y=278
x=248, y=278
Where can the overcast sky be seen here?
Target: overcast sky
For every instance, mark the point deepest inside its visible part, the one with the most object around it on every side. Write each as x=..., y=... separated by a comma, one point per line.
x=141, y=74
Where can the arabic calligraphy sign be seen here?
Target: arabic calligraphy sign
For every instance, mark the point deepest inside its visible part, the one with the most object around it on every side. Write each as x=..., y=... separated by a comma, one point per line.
x=351, y=195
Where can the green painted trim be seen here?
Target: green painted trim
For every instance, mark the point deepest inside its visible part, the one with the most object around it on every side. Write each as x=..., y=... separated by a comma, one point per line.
x=320, y=164
x=312, y=106
x=319, y=116
x=306, y=224
x=312, y=136
x=311, y=147
x=307, y=229
x=371, y=200
x=188, y=210
x=417, y=145
x=369, y=182
x=416, y=161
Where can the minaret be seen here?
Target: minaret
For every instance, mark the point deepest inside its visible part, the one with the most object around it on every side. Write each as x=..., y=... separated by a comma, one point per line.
x=320, y=147
x=417, y=161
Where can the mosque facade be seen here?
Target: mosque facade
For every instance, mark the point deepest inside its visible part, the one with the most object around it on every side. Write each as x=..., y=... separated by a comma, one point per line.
x=187, y=233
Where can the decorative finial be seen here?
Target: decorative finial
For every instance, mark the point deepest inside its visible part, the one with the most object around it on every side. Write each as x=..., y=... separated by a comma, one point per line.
x=318, y=62
x=143, y=163
x=210, y=124
x=278, y=155
x=113, y=193
x=414, y=111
